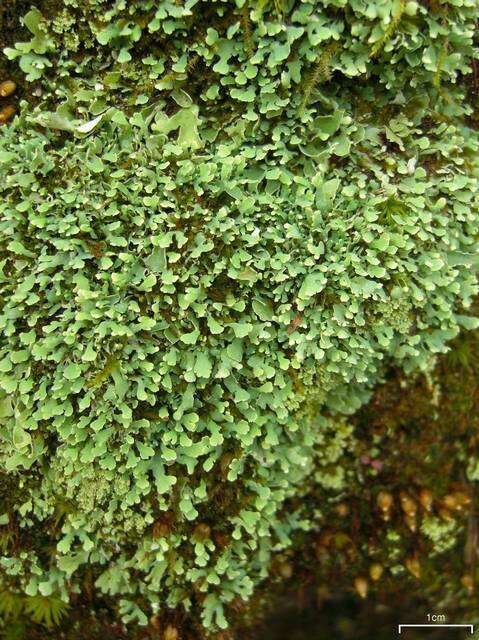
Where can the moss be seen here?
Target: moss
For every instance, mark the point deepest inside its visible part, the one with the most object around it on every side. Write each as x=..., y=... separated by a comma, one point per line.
x=221, y=224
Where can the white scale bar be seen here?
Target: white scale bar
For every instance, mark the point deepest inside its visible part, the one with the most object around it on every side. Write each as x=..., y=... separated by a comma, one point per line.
x=432, y=626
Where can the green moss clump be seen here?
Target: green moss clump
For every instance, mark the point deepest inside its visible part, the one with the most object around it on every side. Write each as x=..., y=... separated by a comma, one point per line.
x=204, y=248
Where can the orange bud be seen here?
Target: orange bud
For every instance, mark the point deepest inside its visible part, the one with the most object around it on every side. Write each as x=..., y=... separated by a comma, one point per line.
x=7, y=87
x=6, y=114
x=456, y=501
x=342, y=509
x=411, y=523
x=413, y=566
x=426, y=499
x=171, y=633
x=361, y=586
x=385, y=501
x=450, y=502
x=468, y=582
x=463, y=498
x=376, y=571
x=408, y=504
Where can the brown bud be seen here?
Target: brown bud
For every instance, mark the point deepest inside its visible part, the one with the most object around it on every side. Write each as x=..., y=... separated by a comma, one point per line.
x=160, y=530
x=385, y=501
x=202, y=532
x=6, y=114
x=361, y=586
x=426, y=499
x=376, y=571
x=225, y=460
x=408, y=505
x=413, y=566
x=237, y=604
x=155, y=622
x=221, y=539
x=96, y=249
x=164, y=525
x=7, y=87
x=171, y=633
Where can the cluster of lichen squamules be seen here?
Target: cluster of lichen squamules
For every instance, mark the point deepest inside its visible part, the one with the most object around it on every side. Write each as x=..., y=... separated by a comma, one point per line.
x=220, y=223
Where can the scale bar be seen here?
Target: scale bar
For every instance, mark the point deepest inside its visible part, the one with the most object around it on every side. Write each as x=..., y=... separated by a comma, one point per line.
x=432, y=626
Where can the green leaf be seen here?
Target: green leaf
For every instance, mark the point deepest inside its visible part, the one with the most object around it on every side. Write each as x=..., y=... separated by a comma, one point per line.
x=69, y=564
x=164, y=483
x=325, y=126
x=186, y=121
x=203, y=366
x=56, y=121
x=156, y=261
x=145, y=450
x=313, y=284
x=124, y=56
x=32, y=21
x=235, y=350
x=214, y=326
x=72, y=371
x=263, y=309
x=21, y=437
x=148, y=283
x=95, y=164
x=89, y=355
x=190, y=338
x=244, y=95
